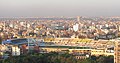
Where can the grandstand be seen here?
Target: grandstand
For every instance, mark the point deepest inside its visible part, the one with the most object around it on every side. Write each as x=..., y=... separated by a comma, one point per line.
x=81, y=42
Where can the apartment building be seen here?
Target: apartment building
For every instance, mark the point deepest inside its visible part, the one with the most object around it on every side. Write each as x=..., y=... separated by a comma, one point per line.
x=117, y=52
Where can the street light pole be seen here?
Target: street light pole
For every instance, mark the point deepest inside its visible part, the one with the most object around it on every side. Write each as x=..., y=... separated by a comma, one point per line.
x=28, y=45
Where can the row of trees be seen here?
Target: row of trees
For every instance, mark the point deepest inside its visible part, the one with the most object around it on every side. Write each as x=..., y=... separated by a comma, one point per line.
x=54, y=57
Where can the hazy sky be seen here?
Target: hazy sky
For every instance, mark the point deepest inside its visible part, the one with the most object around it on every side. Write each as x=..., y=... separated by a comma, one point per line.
x=10, y=8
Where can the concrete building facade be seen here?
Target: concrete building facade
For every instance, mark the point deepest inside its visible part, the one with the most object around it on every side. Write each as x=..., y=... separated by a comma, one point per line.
x=117, y=52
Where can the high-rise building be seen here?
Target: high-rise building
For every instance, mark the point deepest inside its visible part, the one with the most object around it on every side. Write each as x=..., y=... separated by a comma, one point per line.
x=78, y=18
x=117, y=52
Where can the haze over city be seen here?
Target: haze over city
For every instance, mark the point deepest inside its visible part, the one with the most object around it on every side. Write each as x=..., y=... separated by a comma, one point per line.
x=59, y=31
x=28, y=8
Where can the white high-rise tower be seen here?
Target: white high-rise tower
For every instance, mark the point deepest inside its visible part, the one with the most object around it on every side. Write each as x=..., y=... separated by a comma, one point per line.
x=78, y=18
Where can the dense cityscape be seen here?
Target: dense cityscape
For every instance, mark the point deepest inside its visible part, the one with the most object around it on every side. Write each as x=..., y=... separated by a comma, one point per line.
x=59, y=31
x=81, y=37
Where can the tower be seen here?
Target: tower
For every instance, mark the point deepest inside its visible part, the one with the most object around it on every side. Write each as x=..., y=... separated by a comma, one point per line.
x=78, y=18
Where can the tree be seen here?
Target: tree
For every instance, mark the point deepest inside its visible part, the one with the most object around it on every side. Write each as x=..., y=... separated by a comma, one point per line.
x=54, y=57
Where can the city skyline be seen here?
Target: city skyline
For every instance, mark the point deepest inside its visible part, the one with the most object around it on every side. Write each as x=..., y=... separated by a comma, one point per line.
x=28, y=8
